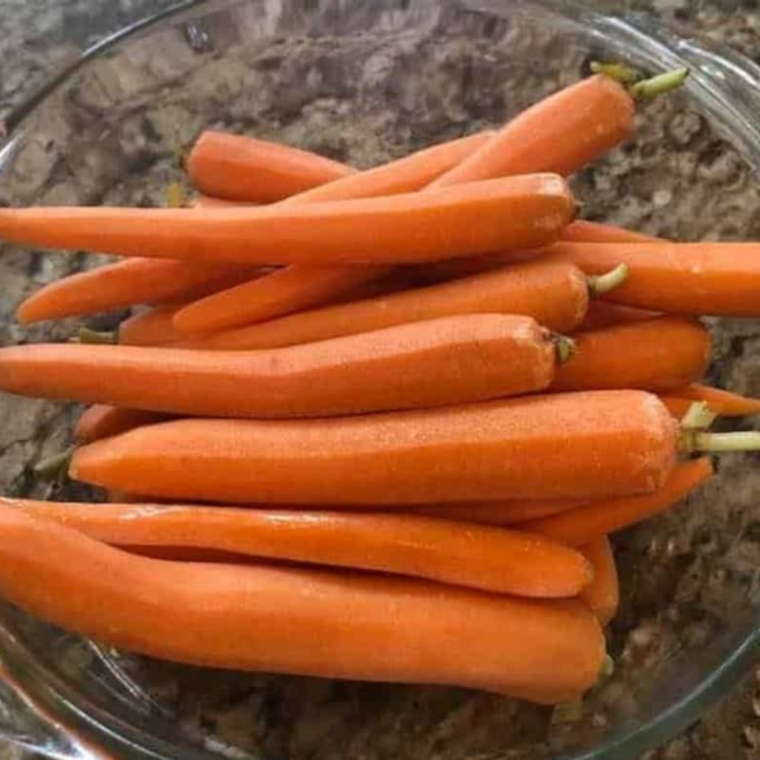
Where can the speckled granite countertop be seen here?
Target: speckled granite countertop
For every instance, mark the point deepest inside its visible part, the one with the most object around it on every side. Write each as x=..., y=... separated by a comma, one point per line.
x=36, y=36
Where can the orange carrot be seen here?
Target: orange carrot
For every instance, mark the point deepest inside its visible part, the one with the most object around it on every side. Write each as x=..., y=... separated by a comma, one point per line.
x=582, y=231
x=293, y=620
x=554, y=295
x=719, y=279
x=503, y=513
x=573, y=446
x=721, y=402
x=447, y=361
x=598, y=518
x=658, y=355
x=154, y=327
x=103, y=421
x=207, y=201
x=239, y=168
x=492, y=559
x=298, y=287
x=676, y=406
x=118, y=286
x=602, y=595
x=602, y=314
x=517, y=212
x=561, y=133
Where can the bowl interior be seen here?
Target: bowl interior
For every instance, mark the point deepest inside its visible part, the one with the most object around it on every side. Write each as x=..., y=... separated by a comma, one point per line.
x=364, y=82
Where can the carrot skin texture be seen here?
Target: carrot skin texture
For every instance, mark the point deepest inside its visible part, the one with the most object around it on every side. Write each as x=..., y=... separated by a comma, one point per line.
x=602, y=595
x=154, y=327
x=423, y=364
x=582, y=231
x=554, y=295
x=604, y=443
x=491, y=559
x=596, y=112
x=585, y=523
x=284, y=620
x=516, y=212
x=721, y=402
x=239, y=168
x=657, y=355
x=715, y=279
x=500, y=513
x=103, y=421
x=601, y=314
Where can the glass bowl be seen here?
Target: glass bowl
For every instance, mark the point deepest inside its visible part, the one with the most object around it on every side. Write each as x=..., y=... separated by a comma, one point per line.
x=365, y=81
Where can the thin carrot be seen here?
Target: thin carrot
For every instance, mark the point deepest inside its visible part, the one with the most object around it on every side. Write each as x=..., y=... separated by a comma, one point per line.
x=598, y=518
x=602, y=595
x=721, y=402
x=298, y=287
x=154, y=327
x=503, y=513
x=658, y=355
x=491, y=559
x=573, y=446
x=239, y=168
x=289, y=620
x=601, y=314
x=103, y=421
x=554, y=295
x=517, y=212
x=719, y=279
x=582, y=231
x=424, y=364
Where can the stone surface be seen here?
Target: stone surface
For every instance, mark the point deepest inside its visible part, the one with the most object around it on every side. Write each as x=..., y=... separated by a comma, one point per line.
x=406, y=89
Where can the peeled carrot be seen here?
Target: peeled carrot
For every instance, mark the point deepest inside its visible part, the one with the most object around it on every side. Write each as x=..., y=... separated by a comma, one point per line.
x=602, y=595
x=492, y=559
x=598, y=518
x=573, y=446
x=554, y=295
x=239, y=168
x=298, y=287
x=103, y=421
x=503, y=513
x=561, y=133
x=447, y=361
x=517, y=212
x=719, y=279
x=658, y=355
x=582, y=231
x=154, y=327
x=292, y=620
x=118, y=286
x=602, y=314
x=721, y=402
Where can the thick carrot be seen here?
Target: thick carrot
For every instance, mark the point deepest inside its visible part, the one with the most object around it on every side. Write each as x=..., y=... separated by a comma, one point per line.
x=602, y=314
x=721, y=402
x=554, y=295
x=103, y=421
x=658, y=355
x=559, y=134
x=298, y=287
x=517, y=212
x=504, y=513
x=602, y=595
x=573, y=446
x=598, y=518
x=492, y=559
x=719, y=279
x=292, y=620
x=153, y=327
x=126, y=283
x=239, y=168
x=424, y=364
x=582, y=231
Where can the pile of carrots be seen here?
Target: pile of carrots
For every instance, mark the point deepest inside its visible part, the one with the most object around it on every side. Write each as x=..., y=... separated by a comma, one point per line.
x=374, y=424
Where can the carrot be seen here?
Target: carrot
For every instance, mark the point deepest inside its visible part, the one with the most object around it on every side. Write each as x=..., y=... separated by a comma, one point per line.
x=598, y=518
x=154, y=327
x=447, y=361
x=103, y=421
x=721, y=402
x=517, y=212
x=207, y=201
x=719, y=279
x=554, y=295
x=582, y=231
x=602, y=595
x=658, y=355
x=573, y=446
x=492, y=559
x=503, y=513
x=118, y=286
x=601, y=314
x=239, y=168
x=293, y=620
x=298, y=287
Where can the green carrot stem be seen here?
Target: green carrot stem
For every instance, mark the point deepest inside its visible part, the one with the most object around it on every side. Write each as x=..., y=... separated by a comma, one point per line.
x=658, y=85
x=95, y=337
x=565, y=347
x=693, y=441
x=602, y=283
x=53, y=467
x=620, y=72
